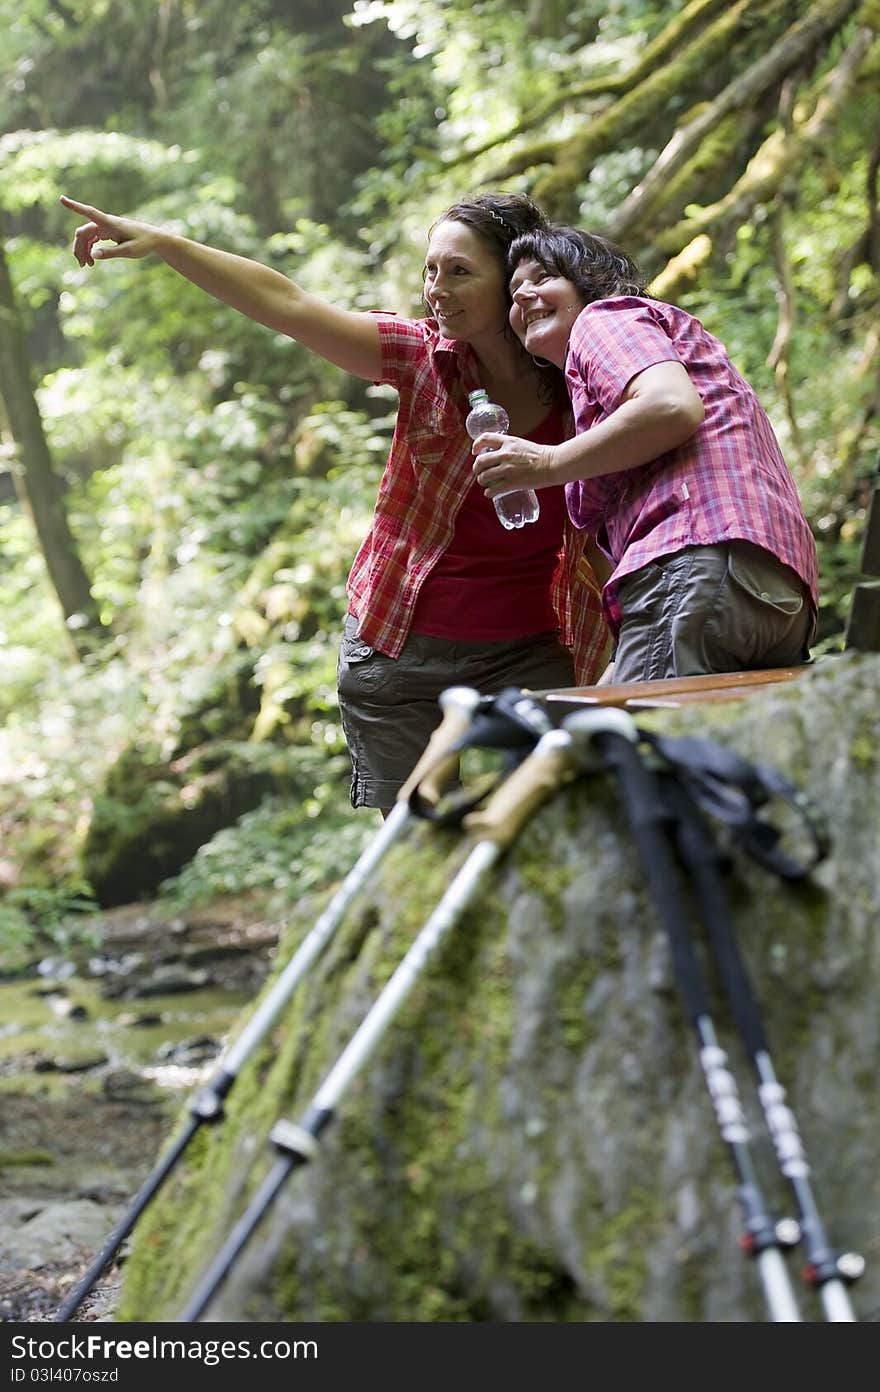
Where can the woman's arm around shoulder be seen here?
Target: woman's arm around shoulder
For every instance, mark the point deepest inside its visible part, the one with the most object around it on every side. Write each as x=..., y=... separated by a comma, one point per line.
x=348, y=338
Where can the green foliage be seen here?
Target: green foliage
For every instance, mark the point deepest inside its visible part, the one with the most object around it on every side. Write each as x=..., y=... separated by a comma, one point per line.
x=180, y=557
x=31, y=916
x=36, y=165
x=282, y=849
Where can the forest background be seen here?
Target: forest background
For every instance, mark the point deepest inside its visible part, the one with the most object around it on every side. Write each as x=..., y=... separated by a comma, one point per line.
x=182, y=492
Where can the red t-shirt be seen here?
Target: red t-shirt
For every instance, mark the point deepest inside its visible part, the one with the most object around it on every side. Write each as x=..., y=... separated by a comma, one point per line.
x=492, y=584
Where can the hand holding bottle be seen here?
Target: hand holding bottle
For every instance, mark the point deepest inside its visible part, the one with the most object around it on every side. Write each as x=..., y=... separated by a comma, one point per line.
x=514, y=508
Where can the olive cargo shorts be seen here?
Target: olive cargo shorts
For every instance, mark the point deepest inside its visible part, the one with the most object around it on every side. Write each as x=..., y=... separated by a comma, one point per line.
x=389, y=706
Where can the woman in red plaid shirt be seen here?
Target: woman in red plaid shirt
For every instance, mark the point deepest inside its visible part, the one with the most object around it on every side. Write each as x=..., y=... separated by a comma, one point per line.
x=674, y=468
x=440, y=594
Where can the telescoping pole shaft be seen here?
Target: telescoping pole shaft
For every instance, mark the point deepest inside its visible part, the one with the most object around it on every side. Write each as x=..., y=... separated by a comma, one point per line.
x=431, y=774
x=650, y=821
x=825, y=1269
x=297, y=1142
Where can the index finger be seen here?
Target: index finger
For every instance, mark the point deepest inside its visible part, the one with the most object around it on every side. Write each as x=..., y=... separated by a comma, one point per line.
x=84, y=208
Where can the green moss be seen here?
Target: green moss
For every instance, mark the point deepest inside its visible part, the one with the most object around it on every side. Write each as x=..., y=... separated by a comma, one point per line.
x=15, y=1159
x=419, y=1138
x=576, y=1026
x=691, y=1282
x=616, y=1254
x=281, y=1080
x=863, y=750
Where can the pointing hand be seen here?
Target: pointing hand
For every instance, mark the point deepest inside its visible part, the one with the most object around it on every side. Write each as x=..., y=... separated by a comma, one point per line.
x=133, y=239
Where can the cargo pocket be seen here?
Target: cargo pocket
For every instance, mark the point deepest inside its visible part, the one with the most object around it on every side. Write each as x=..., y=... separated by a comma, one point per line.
x=361, y=670
x=765, y=580
x=762, y=616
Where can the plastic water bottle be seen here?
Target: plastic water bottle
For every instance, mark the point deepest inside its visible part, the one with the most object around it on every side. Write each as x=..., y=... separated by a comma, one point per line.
x=521, y=506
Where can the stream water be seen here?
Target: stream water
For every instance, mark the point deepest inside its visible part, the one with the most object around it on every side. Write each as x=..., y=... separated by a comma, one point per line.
x=99, y=1048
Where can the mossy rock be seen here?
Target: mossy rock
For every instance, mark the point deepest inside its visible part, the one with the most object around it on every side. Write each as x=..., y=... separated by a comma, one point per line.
x=152, y=816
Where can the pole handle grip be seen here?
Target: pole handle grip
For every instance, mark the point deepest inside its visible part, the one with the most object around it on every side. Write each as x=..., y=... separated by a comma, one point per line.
x=438, y=767
x=536, y=779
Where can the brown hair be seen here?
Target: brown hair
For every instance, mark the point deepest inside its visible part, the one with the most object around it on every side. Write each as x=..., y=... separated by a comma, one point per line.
x=501, y=220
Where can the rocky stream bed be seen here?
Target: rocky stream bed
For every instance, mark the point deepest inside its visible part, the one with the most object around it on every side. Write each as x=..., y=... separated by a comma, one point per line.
x=99, y=1047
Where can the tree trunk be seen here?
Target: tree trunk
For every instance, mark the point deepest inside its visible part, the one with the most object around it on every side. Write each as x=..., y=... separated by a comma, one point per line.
x=651, y=106
x=37, y=485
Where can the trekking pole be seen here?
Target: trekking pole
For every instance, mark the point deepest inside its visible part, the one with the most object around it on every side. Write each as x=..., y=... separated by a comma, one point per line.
x=650, y=821
x=495, y=827
x=436, y=765
x=826, y=1271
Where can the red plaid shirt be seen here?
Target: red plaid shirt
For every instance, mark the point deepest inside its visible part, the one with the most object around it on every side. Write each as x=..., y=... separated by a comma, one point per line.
x=424, y=484
x=728, y=481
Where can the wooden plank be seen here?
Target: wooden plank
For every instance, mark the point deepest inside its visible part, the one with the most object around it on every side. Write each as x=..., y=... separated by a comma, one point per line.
x=689, y=698
x=675, y=691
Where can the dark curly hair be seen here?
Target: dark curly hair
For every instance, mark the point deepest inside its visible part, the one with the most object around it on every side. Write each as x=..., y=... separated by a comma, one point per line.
x=597, y=267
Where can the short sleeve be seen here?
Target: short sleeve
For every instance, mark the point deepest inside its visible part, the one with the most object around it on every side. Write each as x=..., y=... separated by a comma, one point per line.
x=612, y=341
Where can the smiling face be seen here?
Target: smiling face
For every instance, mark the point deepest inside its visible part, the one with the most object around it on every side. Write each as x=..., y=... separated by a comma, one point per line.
x=464, y=284
x=545, y=305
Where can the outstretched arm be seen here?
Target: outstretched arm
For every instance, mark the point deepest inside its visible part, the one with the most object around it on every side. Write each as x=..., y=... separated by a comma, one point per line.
x=660, y=409
x=344, y=337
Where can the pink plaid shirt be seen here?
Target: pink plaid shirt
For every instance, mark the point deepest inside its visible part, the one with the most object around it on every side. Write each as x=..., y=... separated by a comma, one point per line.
x=728, y=481
x=425, y=481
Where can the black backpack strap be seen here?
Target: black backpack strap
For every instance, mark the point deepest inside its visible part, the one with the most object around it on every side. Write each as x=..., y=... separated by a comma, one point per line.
x=744, y=795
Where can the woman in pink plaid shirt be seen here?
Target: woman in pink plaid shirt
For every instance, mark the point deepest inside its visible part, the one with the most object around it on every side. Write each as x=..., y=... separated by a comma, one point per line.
x=439, y=593
x=674, y=468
